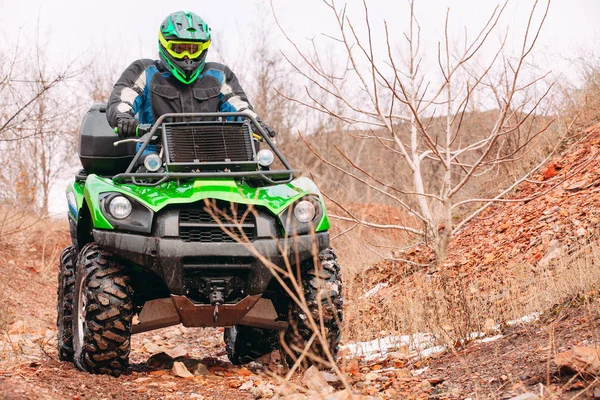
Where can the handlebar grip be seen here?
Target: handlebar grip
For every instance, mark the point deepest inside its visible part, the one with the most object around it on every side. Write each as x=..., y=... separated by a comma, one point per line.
x=141, y=129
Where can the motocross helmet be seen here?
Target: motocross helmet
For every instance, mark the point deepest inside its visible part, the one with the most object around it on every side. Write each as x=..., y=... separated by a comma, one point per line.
x=183, y=41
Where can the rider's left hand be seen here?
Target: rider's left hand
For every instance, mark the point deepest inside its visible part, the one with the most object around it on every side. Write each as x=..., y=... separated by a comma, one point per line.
x=126, y=125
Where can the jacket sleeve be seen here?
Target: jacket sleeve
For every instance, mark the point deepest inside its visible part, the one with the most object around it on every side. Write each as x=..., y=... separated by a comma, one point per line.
x=129, y=91
x=232, y=97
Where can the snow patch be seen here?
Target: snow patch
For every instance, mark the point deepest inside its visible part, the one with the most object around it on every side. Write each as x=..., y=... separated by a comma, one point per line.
x=525, y=319
x=418, y=372
x=490, y=339
x=376, y=289
x=418, y=345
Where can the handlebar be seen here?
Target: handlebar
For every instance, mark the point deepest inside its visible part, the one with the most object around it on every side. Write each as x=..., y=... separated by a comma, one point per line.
x=141, y=129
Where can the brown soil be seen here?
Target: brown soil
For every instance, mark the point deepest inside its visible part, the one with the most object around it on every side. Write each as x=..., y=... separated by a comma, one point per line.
x=50, y=379
x=522, y=360
x=514, y=364
x=29, y=366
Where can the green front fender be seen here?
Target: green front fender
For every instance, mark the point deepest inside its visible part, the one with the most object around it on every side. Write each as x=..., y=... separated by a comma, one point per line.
x=275, y=198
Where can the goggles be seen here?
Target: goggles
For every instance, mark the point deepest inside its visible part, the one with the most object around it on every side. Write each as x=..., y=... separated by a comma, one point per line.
x=180, y=49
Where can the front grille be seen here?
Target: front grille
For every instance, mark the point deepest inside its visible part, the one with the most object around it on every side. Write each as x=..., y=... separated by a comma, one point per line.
x=205, y=222
x=195, y=215
x=214, y=211
x=209, y=235
x=217, y=142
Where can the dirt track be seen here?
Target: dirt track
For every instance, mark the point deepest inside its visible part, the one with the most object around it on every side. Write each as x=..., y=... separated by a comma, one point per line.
x=29, y=366
x=517, y=363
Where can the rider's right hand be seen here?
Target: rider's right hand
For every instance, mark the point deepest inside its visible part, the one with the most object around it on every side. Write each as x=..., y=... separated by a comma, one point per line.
x=126, y=125
x=267, y=128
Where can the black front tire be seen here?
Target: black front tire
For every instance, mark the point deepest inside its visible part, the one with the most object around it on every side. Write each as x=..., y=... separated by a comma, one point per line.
x=103, y=313
x=64, y=304
x=323, y=285
x=246, y=343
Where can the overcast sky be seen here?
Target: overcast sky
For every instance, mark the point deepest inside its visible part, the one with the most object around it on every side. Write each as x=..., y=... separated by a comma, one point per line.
x=127, y=30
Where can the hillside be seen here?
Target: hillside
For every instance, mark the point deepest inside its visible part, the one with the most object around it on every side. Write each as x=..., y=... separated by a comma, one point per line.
x=535, y=253
x=548, y=219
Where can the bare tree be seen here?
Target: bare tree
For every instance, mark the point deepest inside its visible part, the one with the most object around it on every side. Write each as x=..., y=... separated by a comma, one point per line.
x=54, y=124
x=36, y=124
x=16, y=102
x=267, y=76
x=418, y=116
x=101, y=77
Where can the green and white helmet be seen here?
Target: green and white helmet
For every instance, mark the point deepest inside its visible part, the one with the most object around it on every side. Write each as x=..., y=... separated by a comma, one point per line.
x=183, y=42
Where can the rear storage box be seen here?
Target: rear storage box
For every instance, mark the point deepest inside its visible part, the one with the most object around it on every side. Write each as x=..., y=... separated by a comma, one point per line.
x=97, y=152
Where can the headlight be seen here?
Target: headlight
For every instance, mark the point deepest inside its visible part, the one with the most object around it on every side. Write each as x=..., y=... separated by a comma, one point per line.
x=302, y=216
x=119, y=207
x=126, y=214
x=265, y=157
x=152, y=162
x=304, y=211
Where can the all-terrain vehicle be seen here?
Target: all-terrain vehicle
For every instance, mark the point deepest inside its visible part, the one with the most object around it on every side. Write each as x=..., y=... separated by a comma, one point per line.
x=191, y=224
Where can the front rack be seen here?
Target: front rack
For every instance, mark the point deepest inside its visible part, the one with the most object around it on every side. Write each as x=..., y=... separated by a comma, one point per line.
x=156, y=178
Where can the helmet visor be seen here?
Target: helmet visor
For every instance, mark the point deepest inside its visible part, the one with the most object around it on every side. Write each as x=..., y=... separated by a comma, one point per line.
x=179, y=48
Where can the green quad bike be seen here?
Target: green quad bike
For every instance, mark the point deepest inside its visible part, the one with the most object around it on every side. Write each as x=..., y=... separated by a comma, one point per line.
x=190, y=234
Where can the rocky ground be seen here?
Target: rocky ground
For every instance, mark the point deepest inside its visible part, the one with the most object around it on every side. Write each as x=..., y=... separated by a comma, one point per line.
x=175, y=362
x=184, y=363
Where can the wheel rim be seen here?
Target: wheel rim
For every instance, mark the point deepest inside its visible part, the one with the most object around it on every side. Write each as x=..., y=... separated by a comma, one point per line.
x=81, y=307
x=233, y=333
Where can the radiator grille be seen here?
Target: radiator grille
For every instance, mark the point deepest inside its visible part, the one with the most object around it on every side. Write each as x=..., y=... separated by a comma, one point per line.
x=210, y=143
x=198, y=225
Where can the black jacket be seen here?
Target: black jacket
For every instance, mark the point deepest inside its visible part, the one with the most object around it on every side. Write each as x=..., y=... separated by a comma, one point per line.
x=147, y=90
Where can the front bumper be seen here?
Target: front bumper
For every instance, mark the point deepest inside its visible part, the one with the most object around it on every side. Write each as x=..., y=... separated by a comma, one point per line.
x=169, y=257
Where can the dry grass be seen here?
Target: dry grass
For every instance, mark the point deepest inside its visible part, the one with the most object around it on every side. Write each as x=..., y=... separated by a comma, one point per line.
x=29, y=250
x=452, y=307
x=28, y=259
x=449, y=306
x=360, y=246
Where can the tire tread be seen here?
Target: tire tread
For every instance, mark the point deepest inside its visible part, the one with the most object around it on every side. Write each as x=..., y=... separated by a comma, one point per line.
x=325, y=285
x=64, y=304
x=109, y=313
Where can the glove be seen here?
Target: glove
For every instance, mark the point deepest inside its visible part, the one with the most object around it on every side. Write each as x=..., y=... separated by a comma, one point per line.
x=126, y=125
x=266, y=127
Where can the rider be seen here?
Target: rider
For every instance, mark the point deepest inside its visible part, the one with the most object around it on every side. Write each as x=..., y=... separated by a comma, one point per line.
x=180, y=82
